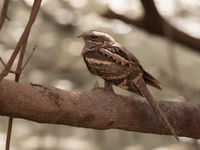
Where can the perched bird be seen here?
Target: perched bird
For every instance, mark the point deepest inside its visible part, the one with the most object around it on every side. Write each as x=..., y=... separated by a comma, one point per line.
x=108, y=59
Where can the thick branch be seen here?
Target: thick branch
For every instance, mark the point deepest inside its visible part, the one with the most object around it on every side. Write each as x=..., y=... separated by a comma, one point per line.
x=153, y=22
x=96, y=109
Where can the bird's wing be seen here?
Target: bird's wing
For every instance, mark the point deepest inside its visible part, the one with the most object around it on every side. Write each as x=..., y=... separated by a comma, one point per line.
x=121, y=54
x=124, y=52
x=111, y=53
x=107, y=65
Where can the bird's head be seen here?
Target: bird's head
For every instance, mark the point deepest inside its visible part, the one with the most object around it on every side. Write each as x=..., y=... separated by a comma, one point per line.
x=95, y=38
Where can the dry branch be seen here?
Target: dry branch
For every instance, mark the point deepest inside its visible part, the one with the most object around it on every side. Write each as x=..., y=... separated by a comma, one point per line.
x=97, y=109
x=153, y=22
x=23, y=40
x=29, y=57
x=4, y=16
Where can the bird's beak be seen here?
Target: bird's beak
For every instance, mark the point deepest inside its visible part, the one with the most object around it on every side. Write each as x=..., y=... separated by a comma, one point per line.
x=80, y=36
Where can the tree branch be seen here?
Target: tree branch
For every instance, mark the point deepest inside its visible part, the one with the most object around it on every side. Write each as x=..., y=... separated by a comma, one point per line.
x=23, y=40
x=153, y=22
x=97, y=109
x=4, y=13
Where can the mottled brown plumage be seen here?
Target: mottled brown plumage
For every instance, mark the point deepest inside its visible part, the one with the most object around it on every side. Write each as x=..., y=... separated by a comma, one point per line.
x=106, y=58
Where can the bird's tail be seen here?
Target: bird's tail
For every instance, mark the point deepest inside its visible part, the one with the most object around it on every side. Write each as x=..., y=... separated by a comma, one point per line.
x=140, y=84
x=149, y=79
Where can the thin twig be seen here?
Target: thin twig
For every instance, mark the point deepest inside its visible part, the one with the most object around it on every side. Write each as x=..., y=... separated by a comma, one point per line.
x=33, y=50
x=3, y=63
x=4, y=13
x=20, y=62
x=9, y=133
x=22, y=40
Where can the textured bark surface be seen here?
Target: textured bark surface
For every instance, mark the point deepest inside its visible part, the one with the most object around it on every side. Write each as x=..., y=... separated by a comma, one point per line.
x=97, y=109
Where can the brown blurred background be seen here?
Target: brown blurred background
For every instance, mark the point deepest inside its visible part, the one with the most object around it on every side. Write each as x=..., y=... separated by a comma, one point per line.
x=57, y=62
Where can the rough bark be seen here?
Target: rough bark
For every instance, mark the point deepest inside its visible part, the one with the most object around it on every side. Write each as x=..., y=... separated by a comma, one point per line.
x=153, y=22
x=97, y=109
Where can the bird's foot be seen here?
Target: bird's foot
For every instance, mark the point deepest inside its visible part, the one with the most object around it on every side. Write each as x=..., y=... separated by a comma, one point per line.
x=108, y=86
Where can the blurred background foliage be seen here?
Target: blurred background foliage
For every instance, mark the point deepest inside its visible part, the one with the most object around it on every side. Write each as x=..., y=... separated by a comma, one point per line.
x=57, y=62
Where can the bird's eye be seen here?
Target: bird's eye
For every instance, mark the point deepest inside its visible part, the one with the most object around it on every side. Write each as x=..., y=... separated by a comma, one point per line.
x=93, y=37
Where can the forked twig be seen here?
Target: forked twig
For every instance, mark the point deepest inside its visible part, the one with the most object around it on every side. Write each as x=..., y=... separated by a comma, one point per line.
x=3, y=63
x=20, y=62
x=23, y=38
x=33, y=50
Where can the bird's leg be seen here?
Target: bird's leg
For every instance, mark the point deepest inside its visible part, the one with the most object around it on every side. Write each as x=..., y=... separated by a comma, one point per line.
x=108, y=86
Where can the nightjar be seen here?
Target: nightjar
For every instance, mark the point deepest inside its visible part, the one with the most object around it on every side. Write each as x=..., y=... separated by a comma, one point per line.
x=111, y=61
